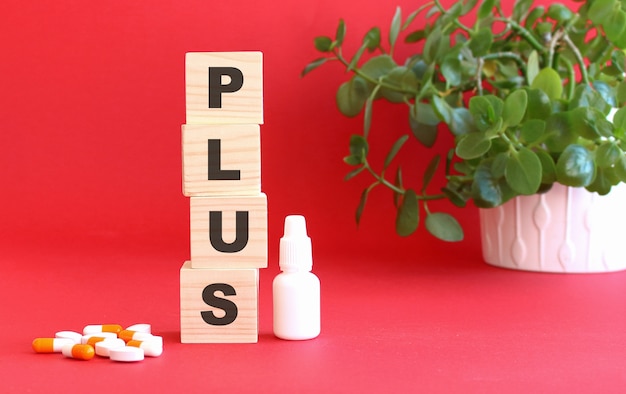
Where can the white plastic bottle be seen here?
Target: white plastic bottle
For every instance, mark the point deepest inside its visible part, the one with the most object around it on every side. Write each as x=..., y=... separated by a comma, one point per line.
x=296, y=290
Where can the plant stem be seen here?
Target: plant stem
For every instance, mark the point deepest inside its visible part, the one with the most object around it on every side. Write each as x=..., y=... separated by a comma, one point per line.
x=556, y=37
x=508, y=55
x=571, y=75
x=579, y=58
x=524, y=33
x=455, y=20
x=382, y=181
x=382, y=84
x=479, y=76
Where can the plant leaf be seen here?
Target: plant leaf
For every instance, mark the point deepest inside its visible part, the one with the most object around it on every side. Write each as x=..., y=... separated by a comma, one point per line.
x=407, y=218
x=619, y=119
x=520, y=9
x=462, y=122
x=548, y=168
x=378, y=66
x=559, y=131
x=394, y=150
x=481, y=108
x=353, y=173
x=361, y=206
x=473, y=145
x=423, y=122
x=442, y=108
x=560, y=13
x=486, y=190
x=549, y=81
x=532, y=17
x=358, y=149
x=515, y=107
x=394, y=30
x=523, y=171
x=400, y=185
x=323, y=43
x=351, y=96
x=434, y=45
x=532, y=130
x=620, y=168
x=539, y=105
x=313, y=65
x=367, y=116
x=454, y=196
x=372, y=39
x=430, y=171
x=341, y=33
x=451, y=71
x=444, y=227
x=607, y=154
x=486, y=8
x=575, y=166
x=604, y=180
x=416, y=36
x=481, y=41
x=357, y=57
x=532, y=67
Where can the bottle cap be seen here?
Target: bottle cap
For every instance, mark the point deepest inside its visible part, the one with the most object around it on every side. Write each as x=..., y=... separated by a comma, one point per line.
x=295, y=245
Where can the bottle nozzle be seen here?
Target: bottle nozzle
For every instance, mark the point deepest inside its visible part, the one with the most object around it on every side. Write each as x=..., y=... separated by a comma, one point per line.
x=295, y=245
x=295, y=226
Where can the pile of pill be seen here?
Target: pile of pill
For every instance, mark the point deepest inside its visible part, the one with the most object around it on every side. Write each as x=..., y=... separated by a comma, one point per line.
x=105, y=340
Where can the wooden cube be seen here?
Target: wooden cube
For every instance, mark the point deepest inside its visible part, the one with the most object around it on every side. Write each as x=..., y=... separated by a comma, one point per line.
x=221, y=160
x=224, y=87
x=218, y=306
x=228, y=232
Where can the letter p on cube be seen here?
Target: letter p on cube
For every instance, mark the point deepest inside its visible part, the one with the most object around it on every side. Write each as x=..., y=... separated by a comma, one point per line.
x=224, y=87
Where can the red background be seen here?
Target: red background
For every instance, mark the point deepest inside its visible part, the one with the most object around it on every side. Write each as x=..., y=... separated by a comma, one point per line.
x=94, y=227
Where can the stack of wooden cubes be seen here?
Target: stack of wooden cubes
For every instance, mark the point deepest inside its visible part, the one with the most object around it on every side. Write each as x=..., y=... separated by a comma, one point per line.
x=221, y=149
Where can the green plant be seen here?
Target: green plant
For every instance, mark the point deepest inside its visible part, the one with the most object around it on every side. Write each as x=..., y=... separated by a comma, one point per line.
x=526, y=95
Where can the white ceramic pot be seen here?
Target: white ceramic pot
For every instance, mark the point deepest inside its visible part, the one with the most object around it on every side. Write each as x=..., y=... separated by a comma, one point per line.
x=564, y=230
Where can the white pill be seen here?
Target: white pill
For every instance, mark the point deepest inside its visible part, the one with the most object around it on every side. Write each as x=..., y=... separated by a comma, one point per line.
x=126, y=354
x=157, y=340
x=73, y=335
x=103, y=348
x=85, y=338
x=142, y=327
x=150, y=348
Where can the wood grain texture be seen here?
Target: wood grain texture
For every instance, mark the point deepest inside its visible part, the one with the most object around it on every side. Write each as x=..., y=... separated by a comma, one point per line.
x=203, y=252
x=240, y=150
x=242, y=106
x=194, y=329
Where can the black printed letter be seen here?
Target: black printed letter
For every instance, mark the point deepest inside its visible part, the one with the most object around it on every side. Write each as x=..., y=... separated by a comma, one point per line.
x=215, y=164
x=241, y=232
x=215, y=84
x=229, y=307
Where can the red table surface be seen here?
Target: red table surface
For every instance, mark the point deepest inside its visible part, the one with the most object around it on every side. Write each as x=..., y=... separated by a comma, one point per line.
x=442, y=324
x=94, y=227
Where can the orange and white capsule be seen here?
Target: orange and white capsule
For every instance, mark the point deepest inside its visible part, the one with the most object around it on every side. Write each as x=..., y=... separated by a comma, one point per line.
x=80, y=352
x=50, y=345
x=130, y=335
x=141, y=327
x=96, y=328
x=85, y=338
x=95, y=339
x=150, y=348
